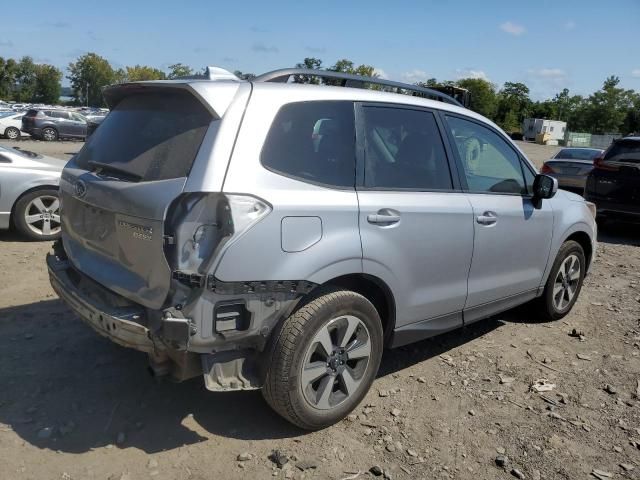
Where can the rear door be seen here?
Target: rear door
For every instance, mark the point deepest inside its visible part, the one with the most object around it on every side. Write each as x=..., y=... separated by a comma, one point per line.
x=416, y=226
x=116, y=190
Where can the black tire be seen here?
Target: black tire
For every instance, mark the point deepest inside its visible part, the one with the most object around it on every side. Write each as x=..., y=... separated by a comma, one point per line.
x=49, y=134
x=546, y=306
x=12, y=133
x=283, y=389
x=20, y=212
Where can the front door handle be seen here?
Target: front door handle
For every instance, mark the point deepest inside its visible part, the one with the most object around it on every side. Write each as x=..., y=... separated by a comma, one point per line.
x=383, y=218
x=487, y=218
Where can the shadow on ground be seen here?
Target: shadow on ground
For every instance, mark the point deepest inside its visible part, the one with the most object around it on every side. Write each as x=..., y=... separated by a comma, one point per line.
x=57, y=373
x=619, y=233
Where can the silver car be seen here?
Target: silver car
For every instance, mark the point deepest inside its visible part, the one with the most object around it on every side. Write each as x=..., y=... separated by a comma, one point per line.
x=571, y=166
x=208, y=223
x=29, y=193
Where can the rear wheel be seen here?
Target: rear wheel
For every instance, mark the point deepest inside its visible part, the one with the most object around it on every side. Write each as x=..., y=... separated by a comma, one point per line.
x=12, y=133
x=37, y=214
x=49, y=134
x=324, y=359
x=564, y=283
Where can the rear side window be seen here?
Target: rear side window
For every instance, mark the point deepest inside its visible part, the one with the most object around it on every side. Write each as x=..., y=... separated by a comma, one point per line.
x=404, y=150
x=313, y=142
x=148, y=136
x=58, y=114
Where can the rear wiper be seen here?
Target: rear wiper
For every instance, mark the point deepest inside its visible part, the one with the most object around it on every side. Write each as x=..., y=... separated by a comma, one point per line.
x=115, y=171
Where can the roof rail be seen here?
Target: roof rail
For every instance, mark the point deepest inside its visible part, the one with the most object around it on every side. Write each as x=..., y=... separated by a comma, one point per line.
x=355, y=81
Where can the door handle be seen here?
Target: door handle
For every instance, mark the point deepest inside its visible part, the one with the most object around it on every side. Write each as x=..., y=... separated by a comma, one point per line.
x=487, y=218
x=382, y=218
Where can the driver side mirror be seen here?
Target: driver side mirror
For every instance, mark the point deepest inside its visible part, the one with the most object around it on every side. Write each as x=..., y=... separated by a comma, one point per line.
x=544, y=186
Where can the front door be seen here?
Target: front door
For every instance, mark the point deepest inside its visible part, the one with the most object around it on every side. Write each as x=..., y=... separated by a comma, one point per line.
x=416, y=226
x=512, y=239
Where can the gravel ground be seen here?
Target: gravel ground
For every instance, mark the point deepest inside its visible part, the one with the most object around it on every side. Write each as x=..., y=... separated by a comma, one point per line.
x=75, y=406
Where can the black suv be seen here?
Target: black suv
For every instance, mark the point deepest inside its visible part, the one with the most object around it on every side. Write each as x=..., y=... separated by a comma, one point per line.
x=614, y=183
x=51, y=125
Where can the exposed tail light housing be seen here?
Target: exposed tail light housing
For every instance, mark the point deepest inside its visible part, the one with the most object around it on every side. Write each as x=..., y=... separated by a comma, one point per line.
x=199, y=225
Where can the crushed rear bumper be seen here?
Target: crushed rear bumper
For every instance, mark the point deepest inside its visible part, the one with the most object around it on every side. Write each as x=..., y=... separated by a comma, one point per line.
x=105, y=312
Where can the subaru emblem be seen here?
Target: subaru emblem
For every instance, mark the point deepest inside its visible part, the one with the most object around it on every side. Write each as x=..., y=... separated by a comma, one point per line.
x=79, y=189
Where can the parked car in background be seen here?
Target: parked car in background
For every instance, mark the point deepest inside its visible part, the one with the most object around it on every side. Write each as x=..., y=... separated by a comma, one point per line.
x=10, y=125
x=29, y=193
x=53, y=124
x=93, y=122
x=614, y=183
x=571, y=166
x=279, y=236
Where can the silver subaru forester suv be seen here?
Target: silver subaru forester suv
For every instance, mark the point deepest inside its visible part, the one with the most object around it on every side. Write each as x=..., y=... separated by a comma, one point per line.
x=277, y=235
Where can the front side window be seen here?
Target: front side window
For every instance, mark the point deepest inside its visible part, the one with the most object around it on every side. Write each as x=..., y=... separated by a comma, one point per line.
x=404, y=150
x=313, y=142
x=488, y=161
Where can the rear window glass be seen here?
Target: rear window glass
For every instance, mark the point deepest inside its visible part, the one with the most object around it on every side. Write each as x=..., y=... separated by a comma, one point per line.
x=148, y=136
x=577, y=154
x=313, y=142
x=626, y=152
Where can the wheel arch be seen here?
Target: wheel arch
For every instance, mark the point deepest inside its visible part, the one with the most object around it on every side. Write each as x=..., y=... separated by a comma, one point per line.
x=373, y=289
x=26, y=192
x=584, y=240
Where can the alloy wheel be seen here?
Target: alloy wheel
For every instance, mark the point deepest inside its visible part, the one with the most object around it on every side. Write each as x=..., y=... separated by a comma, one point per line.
x=42, y=215
x=566, y=282
x=336, y=362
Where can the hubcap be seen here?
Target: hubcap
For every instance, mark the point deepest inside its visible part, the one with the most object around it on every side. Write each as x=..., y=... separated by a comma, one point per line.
x=12, y=133
x=566, y=283
x=42, y=215
x=49, y=134
x=336, y=362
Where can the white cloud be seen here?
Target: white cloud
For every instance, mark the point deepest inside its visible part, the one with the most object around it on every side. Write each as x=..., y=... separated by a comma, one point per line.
x=549, y=73
x=470, y=73
x=570, y=25
x=635, y=73
x=415, y=76
x=380, y=73
x=512, y=28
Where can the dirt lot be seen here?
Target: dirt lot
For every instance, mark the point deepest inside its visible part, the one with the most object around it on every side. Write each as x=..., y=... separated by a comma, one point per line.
x=75, y=406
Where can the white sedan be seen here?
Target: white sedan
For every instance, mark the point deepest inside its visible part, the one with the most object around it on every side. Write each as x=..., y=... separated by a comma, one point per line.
x=10, y=125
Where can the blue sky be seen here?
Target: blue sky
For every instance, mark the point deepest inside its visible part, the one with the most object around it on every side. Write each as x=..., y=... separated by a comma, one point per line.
x=548, y=45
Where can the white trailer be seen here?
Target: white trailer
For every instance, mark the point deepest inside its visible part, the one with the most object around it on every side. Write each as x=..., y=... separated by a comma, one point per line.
x=534, y=126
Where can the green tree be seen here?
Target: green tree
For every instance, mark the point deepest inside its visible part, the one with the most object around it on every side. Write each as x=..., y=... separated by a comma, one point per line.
x=140, y=73
x=179, y=70
x=25, y=80
x=483, y=95
x=632, y=120
x=607, y=108
x=88, y=75
x=513, y=106
x=48, y=88
x=7, y=77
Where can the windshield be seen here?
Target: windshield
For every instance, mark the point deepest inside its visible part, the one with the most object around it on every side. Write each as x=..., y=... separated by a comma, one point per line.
x=578, y=153
x=148, y=136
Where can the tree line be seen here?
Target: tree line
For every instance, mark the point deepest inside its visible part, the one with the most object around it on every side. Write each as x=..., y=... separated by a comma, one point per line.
x=611, y=109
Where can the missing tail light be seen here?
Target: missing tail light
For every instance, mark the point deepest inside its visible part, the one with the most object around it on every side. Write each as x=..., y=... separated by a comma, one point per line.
x=201, y=224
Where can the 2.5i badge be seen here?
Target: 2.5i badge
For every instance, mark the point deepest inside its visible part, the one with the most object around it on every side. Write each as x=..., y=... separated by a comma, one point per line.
x=137, y=231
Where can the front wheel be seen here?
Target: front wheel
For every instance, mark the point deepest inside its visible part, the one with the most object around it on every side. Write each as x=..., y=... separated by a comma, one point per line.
x=564, y=283
x=324, y=359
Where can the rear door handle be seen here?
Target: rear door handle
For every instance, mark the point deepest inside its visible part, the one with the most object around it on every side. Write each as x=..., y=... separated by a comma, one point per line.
x=487, y=218
x=382, y=218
